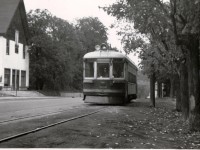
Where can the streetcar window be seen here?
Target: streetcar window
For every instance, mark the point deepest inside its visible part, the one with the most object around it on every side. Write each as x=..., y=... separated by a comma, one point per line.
x=118, y=70
x=89, y=69
x=131, y=78
x=103, y=70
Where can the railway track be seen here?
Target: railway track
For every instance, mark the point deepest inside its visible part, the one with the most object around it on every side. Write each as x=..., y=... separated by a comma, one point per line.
x=49, y=126
x=33, y=116
x=38, y=108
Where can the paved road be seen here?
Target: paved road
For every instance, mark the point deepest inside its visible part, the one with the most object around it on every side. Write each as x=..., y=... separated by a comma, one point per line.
x=12, y=108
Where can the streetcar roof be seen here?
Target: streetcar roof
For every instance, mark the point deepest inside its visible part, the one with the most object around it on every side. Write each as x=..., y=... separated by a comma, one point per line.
x=107, y=54
x=104, y=54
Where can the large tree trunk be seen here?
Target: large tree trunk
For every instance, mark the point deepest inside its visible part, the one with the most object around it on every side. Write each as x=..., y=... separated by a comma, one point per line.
x=194, y=83
x=172, y=84
x=178, y=95
x=152, y=89
x=159, y=87
x=184, y=90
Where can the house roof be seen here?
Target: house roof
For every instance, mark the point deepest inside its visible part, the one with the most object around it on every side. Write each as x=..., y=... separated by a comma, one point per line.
x=7, y=11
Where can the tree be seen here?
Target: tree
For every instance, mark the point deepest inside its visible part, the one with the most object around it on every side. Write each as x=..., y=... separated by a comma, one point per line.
x=92, y=32
x=186, y=18
x=53, y=52
x=171, y=24
x=58, y=48
x=161, y=55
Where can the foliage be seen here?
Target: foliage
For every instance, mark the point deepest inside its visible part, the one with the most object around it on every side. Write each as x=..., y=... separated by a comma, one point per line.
x=49, y=56
x=147, y=34
x=57, y=49
x=161, y=23
x=172, y=28
x=92, y=32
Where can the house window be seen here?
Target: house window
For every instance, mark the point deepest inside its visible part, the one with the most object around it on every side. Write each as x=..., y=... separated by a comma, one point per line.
x=16, y=48
x=23, y=78
x=7, y=47
x=6, y=77
x=15, y=79
x=24, y=52
x=16, y=41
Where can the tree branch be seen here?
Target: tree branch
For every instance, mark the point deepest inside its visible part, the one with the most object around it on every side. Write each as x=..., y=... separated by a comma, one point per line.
x=183, y=20
x=173, y=13
x=165, y=45
x=163, y=8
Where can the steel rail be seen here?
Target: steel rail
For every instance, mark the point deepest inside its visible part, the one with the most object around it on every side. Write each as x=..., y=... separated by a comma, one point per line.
x=48, y=126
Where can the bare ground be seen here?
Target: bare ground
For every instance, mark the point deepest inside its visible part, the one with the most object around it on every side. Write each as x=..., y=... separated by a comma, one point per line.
x=136, y=125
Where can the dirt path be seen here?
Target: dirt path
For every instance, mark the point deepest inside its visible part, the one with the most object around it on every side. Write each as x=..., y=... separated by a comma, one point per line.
x=133, y=126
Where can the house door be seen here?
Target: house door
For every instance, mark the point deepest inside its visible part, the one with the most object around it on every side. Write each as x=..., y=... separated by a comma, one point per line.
x=15, y=79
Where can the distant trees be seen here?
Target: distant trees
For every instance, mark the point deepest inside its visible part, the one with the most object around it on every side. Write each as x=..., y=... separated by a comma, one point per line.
x=92, y=32
x=57, y=48
x=172, y=51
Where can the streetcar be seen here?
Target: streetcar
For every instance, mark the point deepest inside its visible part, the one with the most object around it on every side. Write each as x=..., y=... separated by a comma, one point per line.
x=109, y=77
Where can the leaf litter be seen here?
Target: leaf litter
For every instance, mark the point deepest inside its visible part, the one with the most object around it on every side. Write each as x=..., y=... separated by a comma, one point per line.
x=159, y=124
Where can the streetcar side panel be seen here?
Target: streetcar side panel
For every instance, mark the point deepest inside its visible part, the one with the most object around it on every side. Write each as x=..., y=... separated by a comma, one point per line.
x=132, y=81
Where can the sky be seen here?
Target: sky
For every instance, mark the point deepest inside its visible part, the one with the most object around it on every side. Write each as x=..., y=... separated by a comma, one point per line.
x=71, y=10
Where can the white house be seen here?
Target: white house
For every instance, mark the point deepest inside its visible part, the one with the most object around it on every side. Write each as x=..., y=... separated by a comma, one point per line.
x=14, y=56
